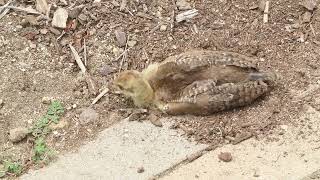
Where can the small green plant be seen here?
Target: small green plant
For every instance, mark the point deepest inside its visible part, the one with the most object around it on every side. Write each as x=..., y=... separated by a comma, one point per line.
x=10, y=167
x=41, y=152
x=40, y=128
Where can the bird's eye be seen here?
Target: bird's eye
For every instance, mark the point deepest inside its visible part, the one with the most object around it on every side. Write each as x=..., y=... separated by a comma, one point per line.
x=120, y=87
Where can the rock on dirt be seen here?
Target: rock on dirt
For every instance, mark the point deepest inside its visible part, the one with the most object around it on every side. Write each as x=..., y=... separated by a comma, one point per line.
x=306, y=17
x=46, y=100
x=225, y=156
x=88, y=115
x=183, y=5
x=155, y=120
x=60, y=125
x=17, y=134
x=262, y=5
x=309, y=4
x=121, y=37
x=140, y=170
x=42, y=6
x=60, y=17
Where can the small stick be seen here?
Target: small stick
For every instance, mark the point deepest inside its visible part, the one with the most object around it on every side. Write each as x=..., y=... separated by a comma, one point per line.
x=173, y=14
x=129, y=11
x=155, y=28
x=99, y=96
x=27, y=10
x=6, y=10
x=6, y=5
x=78, y=59
x=61, y=35
x=312, y=30
x=124, y=55
x=266, y=12
x=85, y=51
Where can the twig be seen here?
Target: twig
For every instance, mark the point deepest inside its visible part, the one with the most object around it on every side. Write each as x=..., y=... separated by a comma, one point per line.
x=124, y=55
x=129, y=11
x=99, y=96
x=61, y=35
x=85, y=51
x=173, y=15
x=186, y=15
x=155, y=28
x=78, y=59
x=266, y=12
x=27, y=10
x=6, y=10
x=6, y=5
x=312, y=30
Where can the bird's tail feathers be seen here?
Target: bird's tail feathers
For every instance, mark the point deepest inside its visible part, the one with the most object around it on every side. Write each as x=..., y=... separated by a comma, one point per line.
x=271, y=78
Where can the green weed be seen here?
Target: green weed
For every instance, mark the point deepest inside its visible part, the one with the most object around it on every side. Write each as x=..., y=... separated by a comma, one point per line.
x=10, y=167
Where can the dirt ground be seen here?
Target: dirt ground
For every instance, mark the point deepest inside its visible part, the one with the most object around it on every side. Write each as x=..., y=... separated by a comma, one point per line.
x=36, y=63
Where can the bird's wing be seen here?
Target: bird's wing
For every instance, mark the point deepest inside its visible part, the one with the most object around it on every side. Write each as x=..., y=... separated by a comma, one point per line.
x=231, y=95
x=195, y=60
x=218, y=98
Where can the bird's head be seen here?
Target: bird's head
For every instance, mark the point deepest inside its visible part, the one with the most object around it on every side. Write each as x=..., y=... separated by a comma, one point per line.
x=132, y=84
x=127, y=82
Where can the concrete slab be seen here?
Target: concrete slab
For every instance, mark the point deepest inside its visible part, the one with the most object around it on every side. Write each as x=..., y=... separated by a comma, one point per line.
x=119, y=151
x=295, y=156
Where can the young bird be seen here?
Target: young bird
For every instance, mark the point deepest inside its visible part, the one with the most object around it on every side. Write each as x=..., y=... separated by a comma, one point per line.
x=196, y=82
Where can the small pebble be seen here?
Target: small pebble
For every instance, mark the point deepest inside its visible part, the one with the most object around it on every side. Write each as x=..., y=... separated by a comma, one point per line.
x=46, y=100
x=88, y=115
x=43, y=31
x=140, y=170
x=33, y=46
x=225, y=156
x=132, y=43
x=163, y=27
x=17, y=134
x=121, y=37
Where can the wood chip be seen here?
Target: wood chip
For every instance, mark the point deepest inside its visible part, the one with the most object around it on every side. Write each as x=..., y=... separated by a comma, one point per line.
x=92, y=86
x=78, y=59
x=60, y=17
x=186, y=15
x=266, y=12
x=42, y=6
